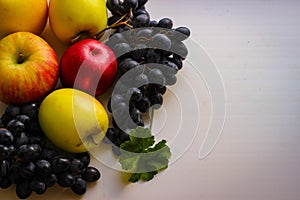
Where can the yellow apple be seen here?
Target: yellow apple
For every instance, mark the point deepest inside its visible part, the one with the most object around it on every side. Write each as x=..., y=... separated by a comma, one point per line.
x=72, y=119
x=72, y=18
x=19, y=15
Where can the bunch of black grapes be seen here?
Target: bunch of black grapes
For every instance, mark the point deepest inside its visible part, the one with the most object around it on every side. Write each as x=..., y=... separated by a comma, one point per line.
x=150, y=53
x=31, y=162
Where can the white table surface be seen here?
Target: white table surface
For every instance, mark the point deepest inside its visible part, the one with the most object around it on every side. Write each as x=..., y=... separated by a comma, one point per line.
x=256, y=47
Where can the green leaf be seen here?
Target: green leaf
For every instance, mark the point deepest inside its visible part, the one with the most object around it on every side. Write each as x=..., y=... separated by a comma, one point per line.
x=148, y=176
x=141, y=137
x=140, y=158
x=135, y=177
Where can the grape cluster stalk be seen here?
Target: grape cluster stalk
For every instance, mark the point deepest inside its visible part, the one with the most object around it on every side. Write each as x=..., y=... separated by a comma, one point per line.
x=150, y=53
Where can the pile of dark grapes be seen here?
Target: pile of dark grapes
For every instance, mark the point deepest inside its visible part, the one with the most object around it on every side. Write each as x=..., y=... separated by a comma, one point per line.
x=31, y=162
x=154, y=50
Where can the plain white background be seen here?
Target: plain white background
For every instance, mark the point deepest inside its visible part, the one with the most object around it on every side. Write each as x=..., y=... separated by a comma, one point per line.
x=255, y=45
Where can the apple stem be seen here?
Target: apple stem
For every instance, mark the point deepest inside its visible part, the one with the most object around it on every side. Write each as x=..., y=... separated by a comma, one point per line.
x=21, y=58
x=80, y=36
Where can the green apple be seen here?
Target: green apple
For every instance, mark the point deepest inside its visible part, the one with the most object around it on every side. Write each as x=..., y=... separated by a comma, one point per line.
x=73, y=120
x=70, y=19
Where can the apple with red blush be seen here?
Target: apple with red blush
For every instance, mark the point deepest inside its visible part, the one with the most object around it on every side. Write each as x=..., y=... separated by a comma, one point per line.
x=28, y=68
x=88, y=65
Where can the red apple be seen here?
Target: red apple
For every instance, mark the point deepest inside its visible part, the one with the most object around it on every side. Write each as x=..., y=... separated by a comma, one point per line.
x=28, y=68
x=88, y=65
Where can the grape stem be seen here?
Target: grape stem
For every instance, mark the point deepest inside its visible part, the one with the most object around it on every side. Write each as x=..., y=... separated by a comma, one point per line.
x=115, y=25
x=151, y=118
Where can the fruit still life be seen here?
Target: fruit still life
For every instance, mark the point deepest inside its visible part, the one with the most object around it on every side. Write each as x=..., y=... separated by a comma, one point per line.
x=116, y=67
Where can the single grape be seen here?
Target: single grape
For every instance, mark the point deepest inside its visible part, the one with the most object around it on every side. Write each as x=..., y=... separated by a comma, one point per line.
x=112, y=4
x=84, y=158
x=5, y=182
x=144, y=89
x=136, y=116
x=134, y=94
x=37, y=186
x=130, y=4
x=76, y=166
x=48, y=154
x=169, y=68
x=80, y=186
x=4, y=152
x=65, y=179
x=162, y=89
x=161, y=41
x=156, y=76
x=124, y=137
x=141, y=20
x=177, y=61
x=156, y=100
x=27, y=170
x=37, y=140
x=181, y=33
x=115, y=7
x=165, y=23
x=140, y=11
x=6, y=137
x=117, y=38
x=24, y=119
x=153, y=23
x=60, y=164
x=179, y=49
x=110, y=136
x=143, y=105
x=122, y=29
x=43, y=167
x=145, y=33
x=13, y=173
x=31, y=110
x=127, y=64
x=12, y=110
x=50, y=180
x=164, y=54
x=34, y=150
x=171, y=79
x=121, y=49
x=152, y=57
x=15, y=126
x=139, y=52
x=141, y=79
x=91, y=174
x=23, y=190
x=156, y=88
x=5, y=119
x=12, y=150
x=4, y=167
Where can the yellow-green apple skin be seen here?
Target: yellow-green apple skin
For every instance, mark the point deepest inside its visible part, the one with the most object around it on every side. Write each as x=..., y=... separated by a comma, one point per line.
x=23, y=15
x=28, y=68
x=72, y=120
x=69, y=18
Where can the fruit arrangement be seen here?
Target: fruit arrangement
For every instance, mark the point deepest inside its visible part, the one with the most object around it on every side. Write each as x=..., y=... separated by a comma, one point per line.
x=54, y=114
